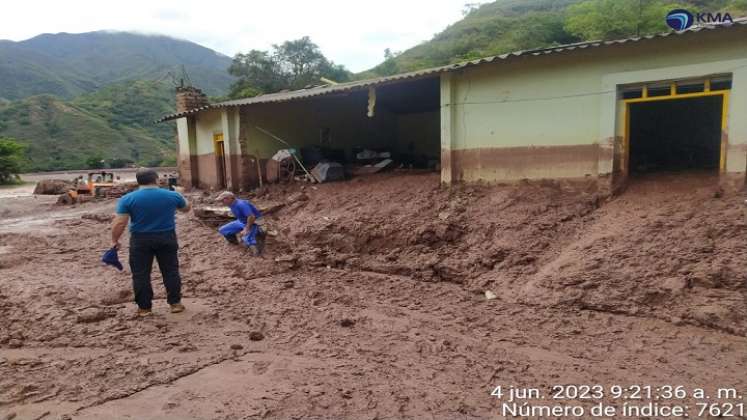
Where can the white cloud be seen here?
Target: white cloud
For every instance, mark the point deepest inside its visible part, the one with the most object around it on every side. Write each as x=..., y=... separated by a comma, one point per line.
x=351, y=33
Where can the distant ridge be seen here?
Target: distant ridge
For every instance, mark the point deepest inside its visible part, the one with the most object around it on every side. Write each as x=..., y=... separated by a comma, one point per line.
x=67, y=65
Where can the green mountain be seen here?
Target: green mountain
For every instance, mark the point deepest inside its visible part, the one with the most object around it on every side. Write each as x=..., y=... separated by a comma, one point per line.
x=75, y=97
x=67, y=65
x=113, y=122
x=512, y=25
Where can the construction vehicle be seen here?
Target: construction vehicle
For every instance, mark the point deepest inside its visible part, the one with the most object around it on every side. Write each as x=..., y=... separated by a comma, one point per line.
x=98, y=184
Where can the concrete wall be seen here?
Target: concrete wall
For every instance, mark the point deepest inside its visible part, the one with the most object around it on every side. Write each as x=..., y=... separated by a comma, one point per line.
x=207, y=124
x=198, y=162
x=558, y=115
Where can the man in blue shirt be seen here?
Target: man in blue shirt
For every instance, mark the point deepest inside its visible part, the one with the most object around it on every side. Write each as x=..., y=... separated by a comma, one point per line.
x=151, y=213
x=246, y=214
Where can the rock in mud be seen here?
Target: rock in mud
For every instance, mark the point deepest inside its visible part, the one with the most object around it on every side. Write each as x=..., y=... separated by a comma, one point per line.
x=256, y=336
x=170, y=405
x=299, y=196
x=187, y=348
x=288, y=284
x=347, y=322
x=14, y=344
x=91, y=315
x=53, y=186
x=236, y=347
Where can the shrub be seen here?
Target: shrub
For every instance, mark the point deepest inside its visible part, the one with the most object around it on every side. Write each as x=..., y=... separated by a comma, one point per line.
x=11, y=160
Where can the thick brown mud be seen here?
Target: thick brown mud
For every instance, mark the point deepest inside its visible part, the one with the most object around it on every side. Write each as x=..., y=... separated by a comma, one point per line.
x=370, y=303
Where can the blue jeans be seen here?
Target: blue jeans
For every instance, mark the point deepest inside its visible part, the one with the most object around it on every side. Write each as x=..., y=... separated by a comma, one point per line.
x=143, y=248
x=235, y=227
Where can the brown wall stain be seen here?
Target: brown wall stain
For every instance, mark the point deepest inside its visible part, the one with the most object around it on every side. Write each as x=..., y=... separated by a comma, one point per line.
x=233, y=172
x=207, y=166
x=446, y=174
x=185, y=171
x=513, y=163
x=251, y=178
x=208, y=170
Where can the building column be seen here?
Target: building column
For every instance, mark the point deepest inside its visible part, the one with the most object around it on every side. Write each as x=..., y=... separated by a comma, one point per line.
x=448, y=121
x=232, y=147
x=187, y=166
x=188, y=98
x=735, y=134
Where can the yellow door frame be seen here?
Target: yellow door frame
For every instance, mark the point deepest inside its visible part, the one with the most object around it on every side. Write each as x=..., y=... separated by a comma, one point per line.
x=220, y=160
x=625, y=159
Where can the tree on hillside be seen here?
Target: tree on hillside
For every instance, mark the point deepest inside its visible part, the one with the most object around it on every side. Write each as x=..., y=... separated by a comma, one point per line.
x=95, y=162
x=611, y=19
x=290, y=65
x=11, y=160
x=389, y=66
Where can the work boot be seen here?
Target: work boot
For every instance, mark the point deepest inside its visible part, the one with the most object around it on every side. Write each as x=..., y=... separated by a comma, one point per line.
x=142, y=313
x=232, y=239
x=260, y=245
x=253, y=250
x=177, y=307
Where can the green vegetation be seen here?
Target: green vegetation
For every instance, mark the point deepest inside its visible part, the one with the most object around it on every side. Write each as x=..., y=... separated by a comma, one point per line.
x=114, y=124
x=77, y=99
x=68, y=65
x=290, y=65
x=512, y=25
x=11, y=161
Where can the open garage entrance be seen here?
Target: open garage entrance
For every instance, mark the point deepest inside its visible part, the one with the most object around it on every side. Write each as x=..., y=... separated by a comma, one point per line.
x=675, y=135
x=358, y=130
x=676, y=127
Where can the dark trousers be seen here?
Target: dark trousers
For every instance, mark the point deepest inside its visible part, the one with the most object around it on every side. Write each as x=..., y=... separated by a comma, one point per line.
x=162, y=246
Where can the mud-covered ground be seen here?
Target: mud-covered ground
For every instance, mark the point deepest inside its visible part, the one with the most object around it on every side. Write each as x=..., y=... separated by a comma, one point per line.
x=370, y=303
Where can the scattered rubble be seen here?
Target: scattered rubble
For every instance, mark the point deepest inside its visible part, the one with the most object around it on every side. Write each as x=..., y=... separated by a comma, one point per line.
x=328, y=172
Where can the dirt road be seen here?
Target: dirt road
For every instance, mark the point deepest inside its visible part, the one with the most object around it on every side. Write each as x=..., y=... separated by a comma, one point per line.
x=370, y=303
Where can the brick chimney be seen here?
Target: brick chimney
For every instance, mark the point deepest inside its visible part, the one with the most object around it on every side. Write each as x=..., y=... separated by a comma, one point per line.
x=188, y=97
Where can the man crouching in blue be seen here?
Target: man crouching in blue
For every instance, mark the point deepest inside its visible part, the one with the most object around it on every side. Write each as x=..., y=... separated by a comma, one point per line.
x=246, y=215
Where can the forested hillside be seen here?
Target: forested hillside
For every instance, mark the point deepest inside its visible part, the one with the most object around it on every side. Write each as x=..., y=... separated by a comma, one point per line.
x=77, y=98
x=511, y=25
x=67, y=65
x=113, y=123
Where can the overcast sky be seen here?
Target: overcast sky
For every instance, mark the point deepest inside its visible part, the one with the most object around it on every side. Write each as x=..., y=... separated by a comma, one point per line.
x=353, y=33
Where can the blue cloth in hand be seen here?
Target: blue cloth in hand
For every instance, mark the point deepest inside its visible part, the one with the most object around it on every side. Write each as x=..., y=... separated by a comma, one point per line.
x=111, y=258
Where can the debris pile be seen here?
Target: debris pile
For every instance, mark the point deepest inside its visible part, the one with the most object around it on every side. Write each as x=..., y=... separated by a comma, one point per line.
x=53, y=186
x=652, y=251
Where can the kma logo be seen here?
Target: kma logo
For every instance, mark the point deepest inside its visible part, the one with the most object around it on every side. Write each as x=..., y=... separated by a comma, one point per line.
x=681, y=19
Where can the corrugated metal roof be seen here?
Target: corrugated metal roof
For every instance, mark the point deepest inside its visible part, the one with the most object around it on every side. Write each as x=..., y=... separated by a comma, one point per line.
x=430, y=72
